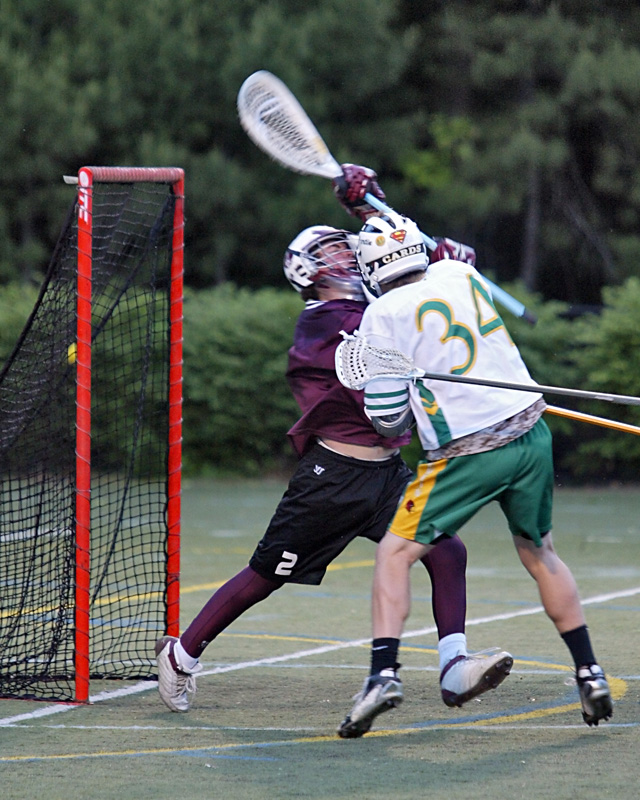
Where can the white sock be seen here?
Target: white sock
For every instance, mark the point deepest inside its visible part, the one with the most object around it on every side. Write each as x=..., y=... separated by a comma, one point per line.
x=186, y=662
x=451, y=646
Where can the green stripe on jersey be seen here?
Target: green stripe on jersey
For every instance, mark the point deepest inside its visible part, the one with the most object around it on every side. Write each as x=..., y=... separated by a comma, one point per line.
x=434, y=412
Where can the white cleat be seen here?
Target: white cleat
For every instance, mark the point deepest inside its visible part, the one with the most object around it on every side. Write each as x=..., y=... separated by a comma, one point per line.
x=173, y=682
x=466, y=677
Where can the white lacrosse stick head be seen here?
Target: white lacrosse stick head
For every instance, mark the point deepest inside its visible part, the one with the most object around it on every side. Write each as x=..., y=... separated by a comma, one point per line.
x=278, y=125
x=350, y=367
x=357, y=362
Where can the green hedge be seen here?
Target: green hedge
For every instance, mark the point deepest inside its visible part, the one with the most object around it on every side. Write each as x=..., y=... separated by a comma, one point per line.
x=607, y=354
x=238, y=407
x=16, y=304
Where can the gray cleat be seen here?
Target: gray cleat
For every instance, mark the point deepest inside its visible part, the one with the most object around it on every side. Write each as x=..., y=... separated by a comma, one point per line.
x=380, y=693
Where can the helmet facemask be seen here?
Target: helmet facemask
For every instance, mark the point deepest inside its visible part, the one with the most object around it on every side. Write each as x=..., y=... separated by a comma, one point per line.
x=325, y=260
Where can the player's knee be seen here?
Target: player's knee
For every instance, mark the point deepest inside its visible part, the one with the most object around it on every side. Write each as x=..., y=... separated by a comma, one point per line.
x=392, y=546
x=447, y=550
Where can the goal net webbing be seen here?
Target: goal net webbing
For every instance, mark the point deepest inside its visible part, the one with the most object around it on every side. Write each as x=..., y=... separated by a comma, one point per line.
x=126, y=378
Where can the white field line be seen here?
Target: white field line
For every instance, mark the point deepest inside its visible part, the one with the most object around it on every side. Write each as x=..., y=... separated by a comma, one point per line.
x=144, y=686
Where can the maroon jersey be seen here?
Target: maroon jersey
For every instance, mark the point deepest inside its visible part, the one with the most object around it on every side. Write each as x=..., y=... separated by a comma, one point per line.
x=328, y=408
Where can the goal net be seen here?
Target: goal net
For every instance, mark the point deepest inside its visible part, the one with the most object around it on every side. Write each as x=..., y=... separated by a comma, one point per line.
x=90, y=445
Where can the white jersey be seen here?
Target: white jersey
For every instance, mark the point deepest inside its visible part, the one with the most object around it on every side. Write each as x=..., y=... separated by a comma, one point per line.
x=446, y=323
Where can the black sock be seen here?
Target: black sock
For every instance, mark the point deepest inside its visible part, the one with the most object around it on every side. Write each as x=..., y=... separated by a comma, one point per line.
x=579, y=644
x=384, y=654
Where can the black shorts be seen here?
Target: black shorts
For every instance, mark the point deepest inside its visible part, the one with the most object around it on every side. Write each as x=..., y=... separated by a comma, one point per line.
x=330, y=500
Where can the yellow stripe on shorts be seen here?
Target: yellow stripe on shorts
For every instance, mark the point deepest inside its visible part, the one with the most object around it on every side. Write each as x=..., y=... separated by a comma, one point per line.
x=407, y=517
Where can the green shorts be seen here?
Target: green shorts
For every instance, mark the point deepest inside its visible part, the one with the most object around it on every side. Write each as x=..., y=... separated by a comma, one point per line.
x=445, y=494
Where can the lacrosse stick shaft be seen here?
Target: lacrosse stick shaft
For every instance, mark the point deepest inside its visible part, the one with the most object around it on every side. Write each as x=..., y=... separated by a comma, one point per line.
x=379, y=205
x=603, y=422
x=517, y=308
x=623, y=399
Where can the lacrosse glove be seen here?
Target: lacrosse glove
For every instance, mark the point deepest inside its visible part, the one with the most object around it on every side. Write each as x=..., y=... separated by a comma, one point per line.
x=351, y=187
x=457, y=251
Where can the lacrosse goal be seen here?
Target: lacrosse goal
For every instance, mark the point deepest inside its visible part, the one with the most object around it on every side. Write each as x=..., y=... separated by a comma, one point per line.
x=90, y=441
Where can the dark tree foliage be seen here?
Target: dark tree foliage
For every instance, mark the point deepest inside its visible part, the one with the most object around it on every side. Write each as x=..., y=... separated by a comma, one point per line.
x=510, y=125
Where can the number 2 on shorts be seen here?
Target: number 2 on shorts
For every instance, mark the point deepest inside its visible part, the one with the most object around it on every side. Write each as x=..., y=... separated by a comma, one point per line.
x=285, y=567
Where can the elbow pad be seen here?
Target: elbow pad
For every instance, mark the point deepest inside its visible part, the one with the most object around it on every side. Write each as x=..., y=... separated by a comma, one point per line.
x=393, y=425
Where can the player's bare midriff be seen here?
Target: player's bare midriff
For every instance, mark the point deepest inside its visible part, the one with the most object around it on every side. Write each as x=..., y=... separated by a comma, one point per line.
x=377, y=453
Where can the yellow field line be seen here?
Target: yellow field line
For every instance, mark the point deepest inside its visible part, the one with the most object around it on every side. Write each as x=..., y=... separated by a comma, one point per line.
x=209, y=587
x=618, y=690
x=200, y=587
x=618, y=687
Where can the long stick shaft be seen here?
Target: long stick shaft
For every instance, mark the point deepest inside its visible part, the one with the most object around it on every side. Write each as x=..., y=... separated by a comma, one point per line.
x=623, y=399
x=603, y=422
x=517, y=308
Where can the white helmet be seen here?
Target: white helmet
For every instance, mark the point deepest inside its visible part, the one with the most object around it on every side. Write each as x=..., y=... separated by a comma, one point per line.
x=324, y=257
x=389, y=247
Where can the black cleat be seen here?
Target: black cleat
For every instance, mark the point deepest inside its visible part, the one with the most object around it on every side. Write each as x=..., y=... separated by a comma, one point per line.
x=595, y=695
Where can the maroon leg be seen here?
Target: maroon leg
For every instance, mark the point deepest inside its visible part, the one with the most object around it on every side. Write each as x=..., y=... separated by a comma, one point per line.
x=230, y=601
x=446, y=564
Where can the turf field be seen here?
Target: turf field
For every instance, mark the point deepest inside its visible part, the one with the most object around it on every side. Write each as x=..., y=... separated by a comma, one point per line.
x=277, y=684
